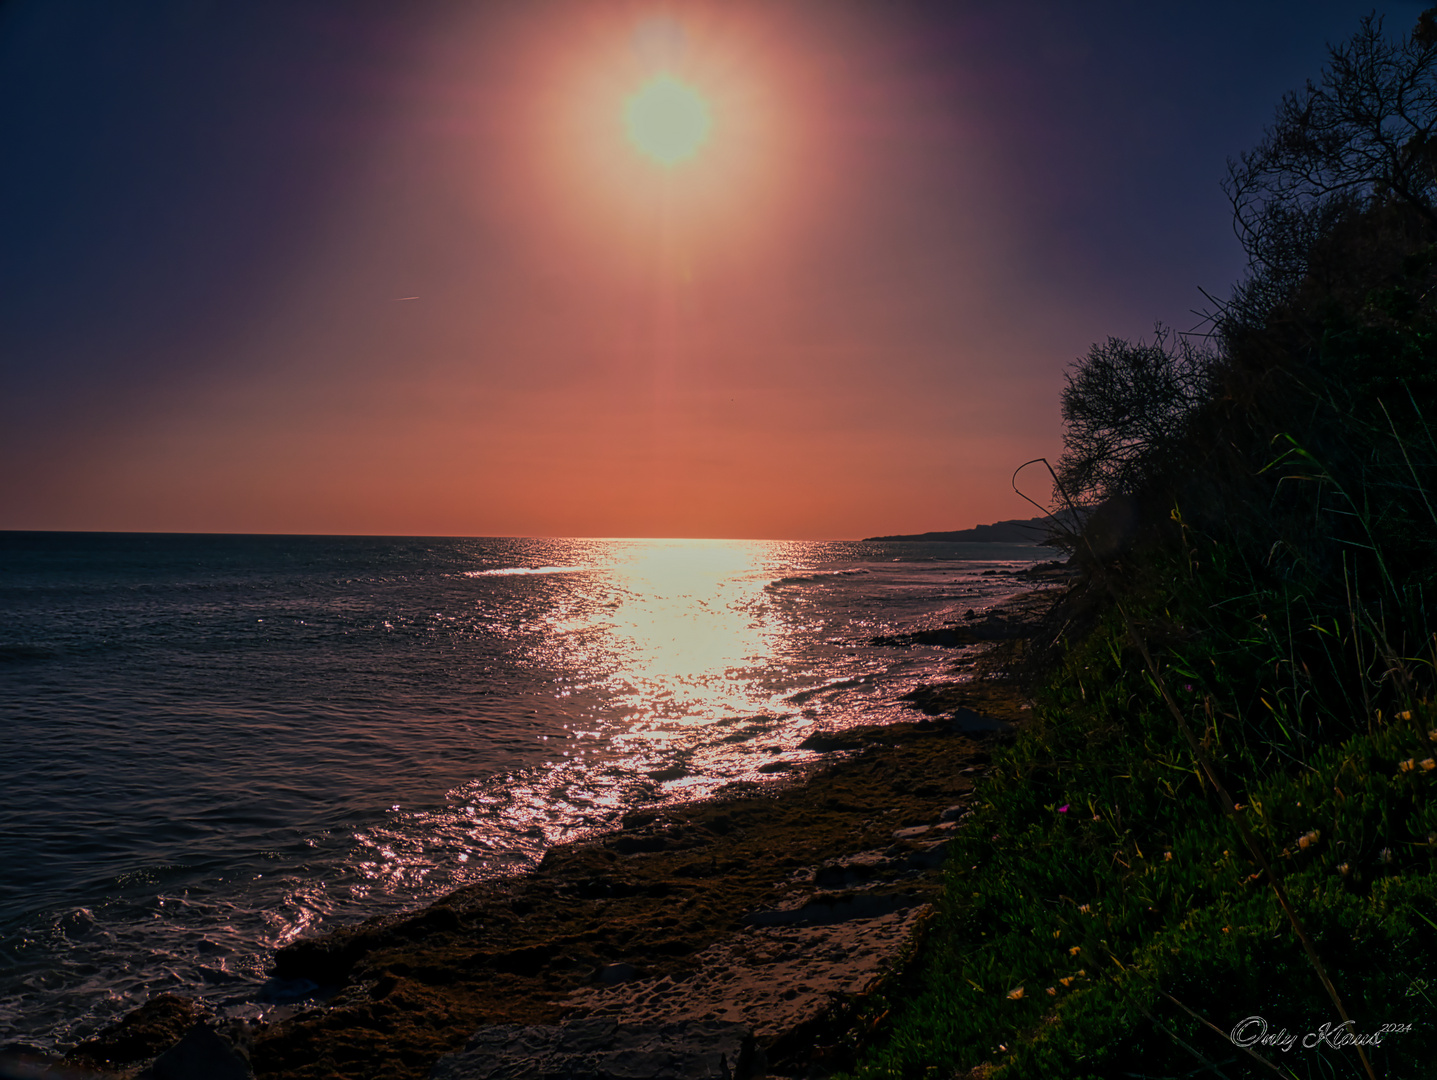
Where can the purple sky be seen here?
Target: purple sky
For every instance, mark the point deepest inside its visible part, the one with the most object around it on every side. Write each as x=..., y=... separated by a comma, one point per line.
x=848, y=314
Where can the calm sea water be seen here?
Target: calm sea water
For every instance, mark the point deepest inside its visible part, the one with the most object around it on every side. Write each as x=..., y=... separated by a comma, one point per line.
x=210, y=745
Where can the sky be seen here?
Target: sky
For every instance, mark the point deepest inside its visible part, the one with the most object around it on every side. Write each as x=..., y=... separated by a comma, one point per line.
x=340, y=266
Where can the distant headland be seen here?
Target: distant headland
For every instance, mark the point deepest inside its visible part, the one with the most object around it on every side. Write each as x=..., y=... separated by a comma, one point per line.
x=1034, y=531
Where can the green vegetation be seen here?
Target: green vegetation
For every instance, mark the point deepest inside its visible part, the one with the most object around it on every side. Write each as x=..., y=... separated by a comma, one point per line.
x=1224, y=807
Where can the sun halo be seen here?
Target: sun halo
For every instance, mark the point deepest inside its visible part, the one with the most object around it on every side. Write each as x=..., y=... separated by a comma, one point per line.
x=667, y=120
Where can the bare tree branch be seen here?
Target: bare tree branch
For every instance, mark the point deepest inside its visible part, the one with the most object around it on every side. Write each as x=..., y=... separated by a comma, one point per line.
x=1365, y=134
x=1125, y=408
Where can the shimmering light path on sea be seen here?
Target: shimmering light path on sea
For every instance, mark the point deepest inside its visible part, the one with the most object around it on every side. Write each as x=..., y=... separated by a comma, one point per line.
x=215, y=744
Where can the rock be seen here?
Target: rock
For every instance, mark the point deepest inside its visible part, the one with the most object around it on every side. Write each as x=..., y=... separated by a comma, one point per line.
x=833, y=908
x=953, y=813
x=912, y=833
x=777, y=767
x=19, y=1061
x=929, y=857
x=852, y=869
x=673, y=838
x=602, y=1049
x=613, y=974
x=826, y=742
x=944, y=637
x=526, y=961
x=784, y=983
x=157, y=1024
x=203, y=1054
x=968, y=722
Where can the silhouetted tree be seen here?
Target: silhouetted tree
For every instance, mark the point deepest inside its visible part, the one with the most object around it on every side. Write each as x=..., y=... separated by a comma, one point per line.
x=1364, y=135
x=1125, y=409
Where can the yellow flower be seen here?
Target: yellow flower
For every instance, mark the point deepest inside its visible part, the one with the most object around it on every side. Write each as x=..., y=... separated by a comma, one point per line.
x=1086, y=909
x=1407, y=766
x=1075, y=950
x=1167, y=856
x=1014, y=995
x=1344, y=869
x=1429, y=764
x=1306, y=840
x=1052, y=992
x=1066, y=980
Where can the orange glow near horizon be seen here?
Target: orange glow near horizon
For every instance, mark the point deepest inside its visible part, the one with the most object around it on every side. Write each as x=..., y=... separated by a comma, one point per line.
x=784, y=319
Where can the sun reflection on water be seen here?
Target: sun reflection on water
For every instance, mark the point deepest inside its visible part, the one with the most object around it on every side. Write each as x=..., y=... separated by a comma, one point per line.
x=688, y=629
x=675, y=669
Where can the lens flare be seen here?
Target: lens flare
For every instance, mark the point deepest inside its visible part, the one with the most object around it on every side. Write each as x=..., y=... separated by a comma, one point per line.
x=668, y=120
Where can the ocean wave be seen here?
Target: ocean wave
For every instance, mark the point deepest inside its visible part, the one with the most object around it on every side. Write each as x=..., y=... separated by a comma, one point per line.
x=816, y=577
x=513, y=571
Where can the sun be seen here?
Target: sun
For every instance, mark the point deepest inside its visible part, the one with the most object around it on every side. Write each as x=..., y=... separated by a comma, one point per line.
x=667, y=120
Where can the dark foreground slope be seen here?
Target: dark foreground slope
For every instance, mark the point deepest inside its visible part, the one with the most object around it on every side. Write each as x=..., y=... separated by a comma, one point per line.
x=1213, y=851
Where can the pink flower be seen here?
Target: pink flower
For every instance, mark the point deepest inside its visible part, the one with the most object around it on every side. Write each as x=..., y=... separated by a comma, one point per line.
x=1064, y=808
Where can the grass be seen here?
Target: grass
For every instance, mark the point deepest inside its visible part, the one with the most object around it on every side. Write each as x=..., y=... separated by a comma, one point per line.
x=1224, y=806
x=1104, y=916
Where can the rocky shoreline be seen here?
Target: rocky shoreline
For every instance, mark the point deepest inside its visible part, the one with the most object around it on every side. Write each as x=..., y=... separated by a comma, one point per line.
x=734, y=937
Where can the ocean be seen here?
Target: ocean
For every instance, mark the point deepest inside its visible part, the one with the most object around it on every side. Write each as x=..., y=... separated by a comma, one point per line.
x=211, y=745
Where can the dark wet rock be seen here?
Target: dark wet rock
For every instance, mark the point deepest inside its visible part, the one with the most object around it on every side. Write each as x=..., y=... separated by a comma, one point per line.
x=826, y=742
x=328, y=960
x=1059, y=570
x=911, y=833
x=948, y=700
x=602, y=1049
x=155, y=1026
x=954, y=813
x=936, y=700
x=20, y=1061
x=526, y=961
x=203, y=1054
x=970, y=722
x=929, y=856
x=596, y=888
x=288, y=991
x=77, y=923
x=613, y=974
x=945, y=637
x=823, y=908
x=855, y=869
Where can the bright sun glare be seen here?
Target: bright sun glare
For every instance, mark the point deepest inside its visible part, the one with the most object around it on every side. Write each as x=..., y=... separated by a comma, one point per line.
x=667, y=120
